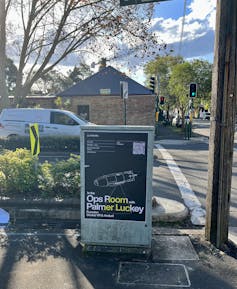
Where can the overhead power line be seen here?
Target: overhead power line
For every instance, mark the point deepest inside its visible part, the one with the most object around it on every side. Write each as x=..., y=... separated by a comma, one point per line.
x=182, y=28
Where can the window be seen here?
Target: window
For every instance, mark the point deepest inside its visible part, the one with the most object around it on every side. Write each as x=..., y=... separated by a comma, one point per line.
x=83, y=111
x=61, y=118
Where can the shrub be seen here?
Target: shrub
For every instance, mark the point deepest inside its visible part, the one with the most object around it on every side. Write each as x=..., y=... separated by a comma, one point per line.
x=22, y=176
x=61, y=179
x=18, y=174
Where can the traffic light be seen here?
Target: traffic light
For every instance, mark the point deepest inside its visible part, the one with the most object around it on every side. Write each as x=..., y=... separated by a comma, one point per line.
x=152, y=84
x=162, y=100
x=193, y=90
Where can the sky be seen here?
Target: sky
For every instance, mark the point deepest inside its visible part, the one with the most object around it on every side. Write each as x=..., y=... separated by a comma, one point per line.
x=198, y=32
x=197, y=40
x=199, y=25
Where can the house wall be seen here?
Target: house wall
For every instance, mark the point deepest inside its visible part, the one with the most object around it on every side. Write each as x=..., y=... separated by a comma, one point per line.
x=109, y=110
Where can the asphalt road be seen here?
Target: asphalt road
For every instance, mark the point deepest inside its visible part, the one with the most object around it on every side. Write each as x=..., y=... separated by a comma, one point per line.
x=192, y=158
x=193, y=161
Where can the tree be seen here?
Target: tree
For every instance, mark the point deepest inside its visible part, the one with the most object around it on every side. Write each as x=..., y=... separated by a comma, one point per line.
x=11, y=74
x=52, y=30
x=203, y=77
x=55, y=81
x=162, y=67
x=79, y=73
x=182, y=75
x=51, y=83
x=3, y=88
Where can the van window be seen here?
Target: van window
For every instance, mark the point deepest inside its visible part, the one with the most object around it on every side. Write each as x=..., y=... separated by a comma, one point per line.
x=61, y=118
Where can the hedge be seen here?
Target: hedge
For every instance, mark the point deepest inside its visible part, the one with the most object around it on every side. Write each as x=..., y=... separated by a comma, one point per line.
x=22, y=176
x=46, y=143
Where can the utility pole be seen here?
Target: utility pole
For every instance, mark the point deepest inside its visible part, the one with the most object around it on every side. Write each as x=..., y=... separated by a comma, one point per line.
x=222, y=128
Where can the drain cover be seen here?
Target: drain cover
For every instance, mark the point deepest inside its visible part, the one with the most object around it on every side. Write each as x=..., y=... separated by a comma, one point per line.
x=160, y=274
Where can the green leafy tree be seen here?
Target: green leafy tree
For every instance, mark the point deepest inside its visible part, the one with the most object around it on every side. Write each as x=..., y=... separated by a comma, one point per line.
x=181, y=77
x=203, y=77
x=161, y=67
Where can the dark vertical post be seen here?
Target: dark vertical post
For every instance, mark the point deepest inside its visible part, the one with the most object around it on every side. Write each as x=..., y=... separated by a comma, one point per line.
x=3, y=88
x=125, y=110
x=222, y=123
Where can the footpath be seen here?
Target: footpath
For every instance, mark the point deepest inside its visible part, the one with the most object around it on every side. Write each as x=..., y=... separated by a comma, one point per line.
x=53, y=258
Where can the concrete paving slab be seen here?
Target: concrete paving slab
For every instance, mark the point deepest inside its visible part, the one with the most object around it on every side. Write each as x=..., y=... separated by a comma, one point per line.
x=173, y=248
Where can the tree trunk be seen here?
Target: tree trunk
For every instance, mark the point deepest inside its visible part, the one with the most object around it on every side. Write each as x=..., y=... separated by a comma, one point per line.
x=3, y=87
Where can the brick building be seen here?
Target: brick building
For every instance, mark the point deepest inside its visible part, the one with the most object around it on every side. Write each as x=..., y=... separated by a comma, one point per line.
x=97, y=98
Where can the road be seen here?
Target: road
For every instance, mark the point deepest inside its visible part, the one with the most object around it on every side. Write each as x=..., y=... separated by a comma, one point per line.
x=192, y=158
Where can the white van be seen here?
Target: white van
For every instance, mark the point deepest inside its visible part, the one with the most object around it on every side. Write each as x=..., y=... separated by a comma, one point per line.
x=52, y=122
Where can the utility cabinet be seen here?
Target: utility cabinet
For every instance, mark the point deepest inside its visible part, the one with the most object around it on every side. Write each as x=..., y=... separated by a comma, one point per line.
x=116, y=185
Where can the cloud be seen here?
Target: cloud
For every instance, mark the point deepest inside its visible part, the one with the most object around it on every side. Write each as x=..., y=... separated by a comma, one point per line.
x=197, y=47
x=198, y=33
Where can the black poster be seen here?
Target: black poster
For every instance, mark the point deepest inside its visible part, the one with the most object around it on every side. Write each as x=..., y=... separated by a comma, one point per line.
x=115, y=175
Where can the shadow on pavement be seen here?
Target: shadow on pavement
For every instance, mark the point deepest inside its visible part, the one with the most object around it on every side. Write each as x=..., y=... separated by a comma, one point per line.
x=58, y=261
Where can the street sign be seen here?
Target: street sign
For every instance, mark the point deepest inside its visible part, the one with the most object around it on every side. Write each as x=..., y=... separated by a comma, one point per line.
x=124, y=89
x=34, y=139
x=135, y=2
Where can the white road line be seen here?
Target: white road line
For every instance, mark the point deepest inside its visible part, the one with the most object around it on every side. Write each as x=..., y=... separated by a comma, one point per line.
x=189, y=197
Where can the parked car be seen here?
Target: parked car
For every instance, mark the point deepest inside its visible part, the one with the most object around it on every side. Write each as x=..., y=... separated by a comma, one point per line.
x=52, y=122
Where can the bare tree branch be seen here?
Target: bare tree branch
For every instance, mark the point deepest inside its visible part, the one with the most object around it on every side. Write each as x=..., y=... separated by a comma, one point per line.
x=56, y=29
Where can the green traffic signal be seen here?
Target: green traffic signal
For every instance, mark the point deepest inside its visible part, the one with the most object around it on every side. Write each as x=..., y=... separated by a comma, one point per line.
x=193, y=90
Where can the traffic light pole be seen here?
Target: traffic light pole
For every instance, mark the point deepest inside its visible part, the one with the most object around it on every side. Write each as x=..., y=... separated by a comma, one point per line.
x=222, y=128
x=157, y=90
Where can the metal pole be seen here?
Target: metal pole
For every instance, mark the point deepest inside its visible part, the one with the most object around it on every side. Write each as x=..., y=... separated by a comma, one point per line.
x=125, y=111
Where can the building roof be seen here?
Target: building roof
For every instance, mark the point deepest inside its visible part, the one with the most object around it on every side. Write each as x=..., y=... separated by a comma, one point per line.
x=105, y=82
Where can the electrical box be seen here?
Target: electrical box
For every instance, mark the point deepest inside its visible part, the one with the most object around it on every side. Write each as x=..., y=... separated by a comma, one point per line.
x=116, y=185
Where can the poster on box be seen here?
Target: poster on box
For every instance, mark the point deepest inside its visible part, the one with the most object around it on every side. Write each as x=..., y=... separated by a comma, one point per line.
x=115, y=175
